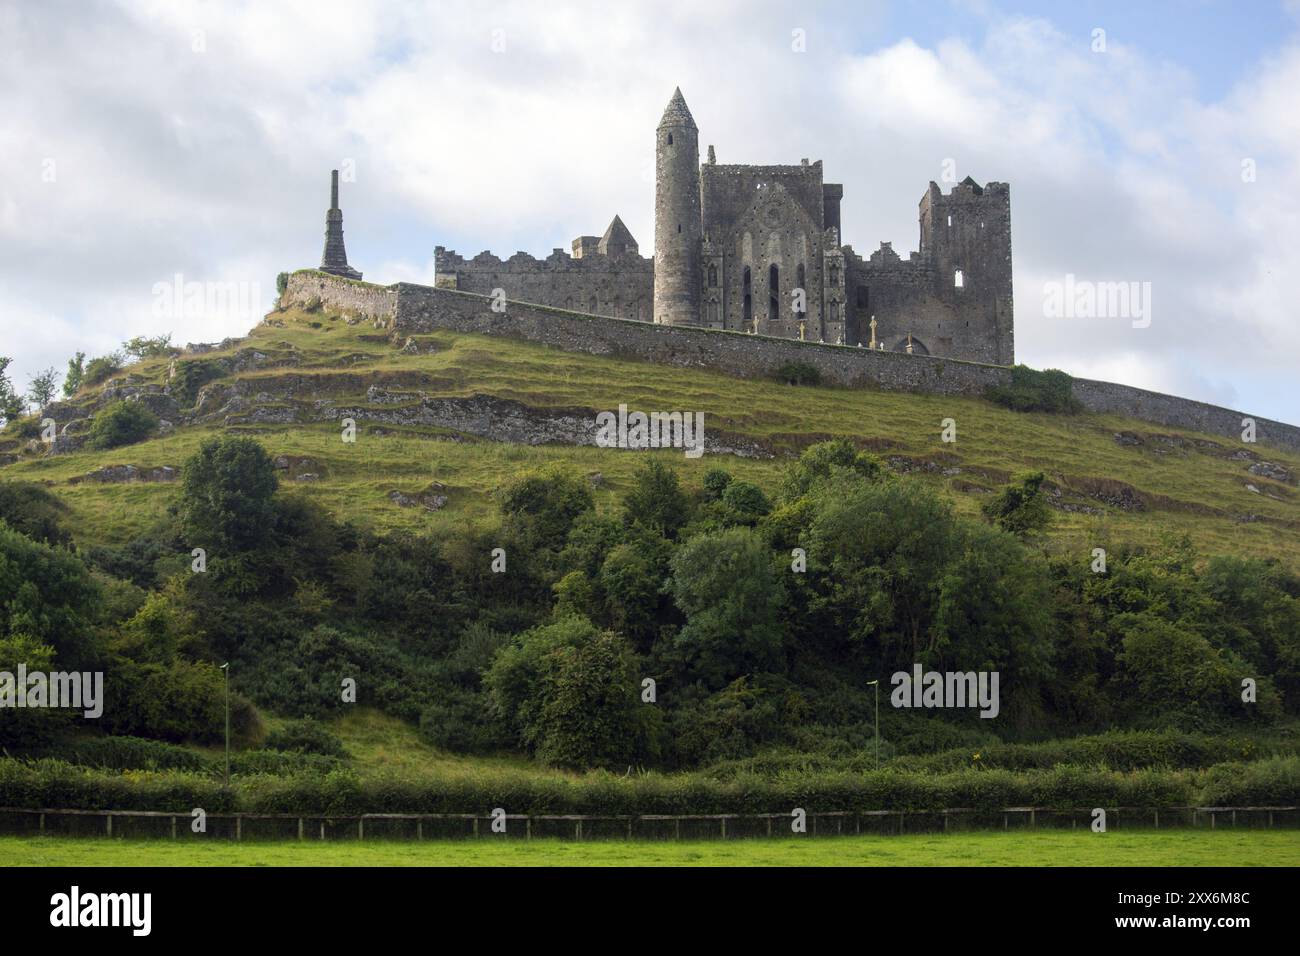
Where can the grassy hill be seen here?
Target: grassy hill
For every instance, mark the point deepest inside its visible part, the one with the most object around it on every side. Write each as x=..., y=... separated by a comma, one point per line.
x=1112, y=479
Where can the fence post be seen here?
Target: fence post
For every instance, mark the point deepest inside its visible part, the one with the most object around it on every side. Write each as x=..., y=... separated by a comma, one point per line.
x=108, y=819
x=528, y=828
x=361, y=828
x=300, y=828
x=239, y=827
x=322, y=830
x=42, y=823
x=173, y=828
x=724, y=827
x=419, y=829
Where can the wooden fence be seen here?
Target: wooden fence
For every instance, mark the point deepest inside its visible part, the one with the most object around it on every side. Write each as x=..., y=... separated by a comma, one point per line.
x=427, y=826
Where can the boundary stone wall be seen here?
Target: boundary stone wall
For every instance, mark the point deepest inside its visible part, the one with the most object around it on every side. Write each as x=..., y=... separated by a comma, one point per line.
x=415, y=308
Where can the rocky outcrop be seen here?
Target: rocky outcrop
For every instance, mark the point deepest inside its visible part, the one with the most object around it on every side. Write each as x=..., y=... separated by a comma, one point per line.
x=431, y=498
x=500, y=419
x=1267, y=469
x=122, y=474
x=299, y=468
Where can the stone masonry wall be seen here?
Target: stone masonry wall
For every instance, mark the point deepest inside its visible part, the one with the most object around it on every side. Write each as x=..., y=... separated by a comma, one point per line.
x=414, y=308
x=359, y=298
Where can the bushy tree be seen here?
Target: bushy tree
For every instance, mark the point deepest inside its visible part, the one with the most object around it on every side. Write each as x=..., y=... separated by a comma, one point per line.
x=820, y=461
x=33, y=510
x=544, y=506
x=878, y=553
x=75, y=374
x=99, y=370
x=226, y=495
x=42, y=387
x=715, y=483
x=121, y=423
x=657, y=500
x=47, y=594
x=143, y=346
x=11, y=403
x=745, y=502
x=726, y=586
x=1020, y=507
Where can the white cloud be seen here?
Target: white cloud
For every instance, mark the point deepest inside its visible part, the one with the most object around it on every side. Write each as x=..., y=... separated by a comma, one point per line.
x=213, y=163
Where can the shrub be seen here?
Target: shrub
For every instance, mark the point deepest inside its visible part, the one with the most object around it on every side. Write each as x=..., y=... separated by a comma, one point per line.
x=798, y=373
x=98, y=370
x=32, y=510
x=121, y=423
x=142, y=346
x=1032, y=390
x=226, y=494
x=191, y=375
x=306, y=736
x=715, y=483
x=1019, y=507
x=126, y=753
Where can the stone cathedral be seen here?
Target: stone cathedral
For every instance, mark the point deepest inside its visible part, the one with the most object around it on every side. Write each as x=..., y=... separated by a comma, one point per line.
x=758, y=249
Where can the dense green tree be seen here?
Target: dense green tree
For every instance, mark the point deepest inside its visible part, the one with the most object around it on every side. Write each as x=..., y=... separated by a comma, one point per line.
x=631, y=582
x=726, y=586
x=1020, y=507
x=819, y=462
x=99, y=370
x=656, y=500
x=227, y=494
x=544, y=506
x=47, y=594
x=715, y=483
x=745, y=502
x=878, y=553
x=570, y=694
x=121, y=423
x=35, y=511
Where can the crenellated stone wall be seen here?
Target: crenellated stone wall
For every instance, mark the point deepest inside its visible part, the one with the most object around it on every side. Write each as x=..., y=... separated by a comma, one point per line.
x=414, y=308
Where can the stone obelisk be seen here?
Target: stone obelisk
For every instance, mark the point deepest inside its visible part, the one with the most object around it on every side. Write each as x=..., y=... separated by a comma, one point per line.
x=334, y=259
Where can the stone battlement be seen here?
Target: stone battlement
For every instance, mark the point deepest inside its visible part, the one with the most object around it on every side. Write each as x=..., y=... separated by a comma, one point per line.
x=558, y=261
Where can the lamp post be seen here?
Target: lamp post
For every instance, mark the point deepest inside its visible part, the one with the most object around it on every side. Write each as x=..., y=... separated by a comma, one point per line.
x=876, y=685
x=225, y=671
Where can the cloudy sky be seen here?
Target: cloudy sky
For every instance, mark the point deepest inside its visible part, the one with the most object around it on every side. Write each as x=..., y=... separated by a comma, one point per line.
x=141, y=141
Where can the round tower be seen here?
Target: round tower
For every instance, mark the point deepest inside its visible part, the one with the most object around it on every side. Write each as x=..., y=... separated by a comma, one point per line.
x=678, y=225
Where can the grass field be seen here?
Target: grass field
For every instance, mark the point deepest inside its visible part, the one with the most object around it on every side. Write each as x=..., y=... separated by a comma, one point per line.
x=1166, y=480
x=1037, y=848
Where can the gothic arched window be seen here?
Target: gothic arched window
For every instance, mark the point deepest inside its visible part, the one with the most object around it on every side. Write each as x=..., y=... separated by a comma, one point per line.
x=773, y=292
x=747, y=312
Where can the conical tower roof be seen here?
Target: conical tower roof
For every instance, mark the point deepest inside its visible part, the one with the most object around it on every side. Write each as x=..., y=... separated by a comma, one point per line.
x=678, y=113
x=618, y=236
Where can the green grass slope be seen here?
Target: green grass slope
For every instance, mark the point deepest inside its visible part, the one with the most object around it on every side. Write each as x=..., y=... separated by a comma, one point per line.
x=1113, y=480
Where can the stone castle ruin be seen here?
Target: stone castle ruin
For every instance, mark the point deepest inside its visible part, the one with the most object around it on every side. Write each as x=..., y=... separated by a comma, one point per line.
x=758, y=249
